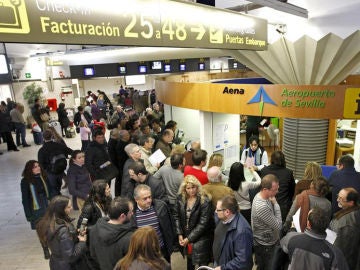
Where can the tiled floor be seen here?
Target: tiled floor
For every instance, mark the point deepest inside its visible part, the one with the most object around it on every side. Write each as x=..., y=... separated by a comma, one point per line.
x=19, y=246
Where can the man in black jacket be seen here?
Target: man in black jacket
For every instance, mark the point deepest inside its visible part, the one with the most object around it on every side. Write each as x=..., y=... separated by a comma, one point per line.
x=97, y=157
x=155, y=213
x=82, y=115
x=121, y=157
x=46, y=155
x=110, y=237
x=139, y=175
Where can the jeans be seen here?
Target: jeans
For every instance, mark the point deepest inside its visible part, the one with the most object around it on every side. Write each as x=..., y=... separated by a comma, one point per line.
x=20, y=131
x=263, y=256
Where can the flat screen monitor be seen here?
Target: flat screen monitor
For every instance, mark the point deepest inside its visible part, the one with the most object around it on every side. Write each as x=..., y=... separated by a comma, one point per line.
x=156, y=65
x=235, y=65
x=182, y=67
x=3, y=65
x=122, y=69
x=201, y=66
x=89, y=71
x=142, y=69
x=167, y=68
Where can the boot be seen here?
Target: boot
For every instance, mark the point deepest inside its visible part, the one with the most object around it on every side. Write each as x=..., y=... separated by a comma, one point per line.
x=46, y=253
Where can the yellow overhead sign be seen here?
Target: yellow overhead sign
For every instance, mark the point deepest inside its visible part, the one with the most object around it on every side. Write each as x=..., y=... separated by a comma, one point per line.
x=352, y=103
x=130, y=22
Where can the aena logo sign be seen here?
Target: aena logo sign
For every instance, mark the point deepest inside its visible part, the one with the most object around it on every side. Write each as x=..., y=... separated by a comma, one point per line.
x=261, y=97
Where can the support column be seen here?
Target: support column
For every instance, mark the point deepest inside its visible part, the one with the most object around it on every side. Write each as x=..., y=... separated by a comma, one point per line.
x=304, y=140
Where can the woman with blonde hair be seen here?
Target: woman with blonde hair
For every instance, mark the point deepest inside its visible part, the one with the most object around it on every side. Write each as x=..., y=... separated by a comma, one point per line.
x=194, y=222
x=144, y=252
x=312, y=172
x=216, y=160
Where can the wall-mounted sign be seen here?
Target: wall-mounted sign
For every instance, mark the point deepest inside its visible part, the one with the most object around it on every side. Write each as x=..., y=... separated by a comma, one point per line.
x=28, y=75
x=297, y=101
x=130, y=22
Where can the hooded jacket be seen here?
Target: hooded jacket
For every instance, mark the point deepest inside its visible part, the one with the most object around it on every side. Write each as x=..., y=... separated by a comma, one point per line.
x=109, y=242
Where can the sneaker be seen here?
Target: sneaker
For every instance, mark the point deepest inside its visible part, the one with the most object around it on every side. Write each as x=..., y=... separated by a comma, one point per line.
x=16, y=150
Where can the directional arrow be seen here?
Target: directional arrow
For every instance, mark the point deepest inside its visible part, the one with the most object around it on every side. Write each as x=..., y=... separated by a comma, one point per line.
x=200, y=30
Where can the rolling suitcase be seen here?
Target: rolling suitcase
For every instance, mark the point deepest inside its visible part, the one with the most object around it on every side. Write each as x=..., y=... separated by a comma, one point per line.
x=38, y=137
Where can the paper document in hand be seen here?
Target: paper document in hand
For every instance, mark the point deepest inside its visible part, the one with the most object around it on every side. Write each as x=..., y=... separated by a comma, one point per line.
x=157, y=157
x=296, y=220
x=330, y=236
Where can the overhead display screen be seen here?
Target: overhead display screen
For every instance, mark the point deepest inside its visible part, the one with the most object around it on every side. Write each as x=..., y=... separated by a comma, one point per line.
x=130, y=22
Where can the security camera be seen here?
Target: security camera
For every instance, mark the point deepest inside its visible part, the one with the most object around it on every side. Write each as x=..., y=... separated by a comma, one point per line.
x=281, y=29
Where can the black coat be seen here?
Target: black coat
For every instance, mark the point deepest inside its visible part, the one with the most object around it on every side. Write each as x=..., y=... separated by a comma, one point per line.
x=166, y=223
x=286, y=186
x=62, y=117
x=157, y=186
x=77, y=118
x=66, y=250
x=91, y=212
x=200, y=229
x=5, y=122
x=111, y=146
x=48, y=150
x=33, y=215
x=109, y=242
x=79, y=182
x=95, y=156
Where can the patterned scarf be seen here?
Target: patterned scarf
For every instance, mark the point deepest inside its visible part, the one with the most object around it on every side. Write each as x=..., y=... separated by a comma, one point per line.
x=36, y=205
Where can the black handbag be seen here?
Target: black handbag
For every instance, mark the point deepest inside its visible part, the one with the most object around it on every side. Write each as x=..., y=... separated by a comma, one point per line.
x=108, y=171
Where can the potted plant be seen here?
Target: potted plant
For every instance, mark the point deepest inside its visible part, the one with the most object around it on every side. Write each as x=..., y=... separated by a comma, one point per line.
x=32, y=92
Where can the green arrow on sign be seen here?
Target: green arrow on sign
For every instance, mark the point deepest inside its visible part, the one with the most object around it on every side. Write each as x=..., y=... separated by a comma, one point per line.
x=27, y=75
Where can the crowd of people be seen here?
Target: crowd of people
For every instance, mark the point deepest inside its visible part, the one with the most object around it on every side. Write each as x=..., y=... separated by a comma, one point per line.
x=184, y=203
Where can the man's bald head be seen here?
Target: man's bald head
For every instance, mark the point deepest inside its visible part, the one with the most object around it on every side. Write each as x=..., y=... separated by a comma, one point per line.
x=214, y=174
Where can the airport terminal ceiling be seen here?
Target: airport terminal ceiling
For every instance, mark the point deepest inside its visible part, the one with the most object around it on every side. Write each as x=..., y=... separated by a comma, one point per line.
x=325, y=16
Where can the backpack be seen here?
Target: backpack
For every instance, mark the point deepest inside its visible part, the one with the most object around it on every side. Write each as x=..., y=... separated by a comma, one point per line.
x=58, y=164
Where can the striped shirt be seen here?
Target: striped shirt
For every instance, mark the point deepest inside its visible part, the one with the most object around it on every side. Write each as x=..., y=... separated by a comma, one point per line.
x=149, y=218
x=266, y=221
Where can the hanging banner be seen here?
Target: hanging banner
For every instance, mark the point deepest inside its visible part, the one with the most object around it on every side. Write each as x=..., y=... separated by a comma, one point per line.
x=130, y=22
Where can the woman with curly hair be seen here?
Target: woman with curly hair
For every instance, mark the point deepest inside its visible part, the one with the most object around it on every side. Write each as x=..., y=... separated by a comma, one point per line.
x=97, y=204
x=194, y=222
x=308, y=199
x=144, y=252
x=56, y=230
x=35, y=195
x=312, y=171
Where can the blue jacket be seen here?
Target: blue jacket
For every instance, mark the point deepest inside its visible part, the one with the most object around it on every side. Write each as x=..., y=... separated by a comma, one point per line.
x=236, y=247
